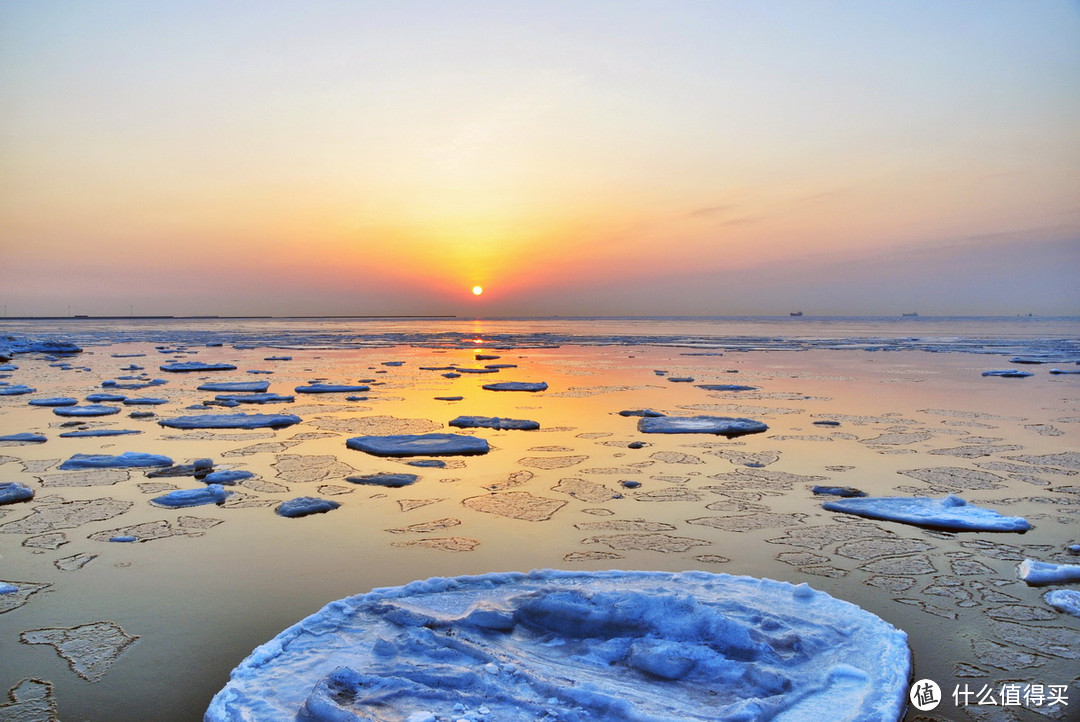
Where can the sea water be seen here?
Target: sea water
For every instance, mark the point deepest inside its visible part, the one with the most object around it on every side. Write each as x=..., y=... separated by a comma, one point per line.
x=164, y=618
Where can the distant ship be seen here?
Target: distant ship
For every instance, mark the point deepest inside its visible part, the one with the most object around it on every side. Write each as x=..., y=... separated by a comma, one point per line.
x=795, y=313
x=910, y=315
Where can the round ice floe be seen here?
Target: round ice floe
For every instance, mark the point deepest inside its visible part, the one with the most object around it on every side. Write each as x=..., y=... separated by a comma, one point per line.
x=91, y=410
x=126, y=460
x=419, y=445
x=950, y=512
x=494, y=422
x=330, y=388
x=235, y=386
x=190, y=366
x=582, y=646
x=55, y=401
x=517, y=386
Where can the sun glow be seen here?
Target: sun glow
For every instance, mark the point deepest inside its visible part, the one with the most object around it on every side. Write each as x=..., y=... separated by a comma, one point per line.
x=477, y=290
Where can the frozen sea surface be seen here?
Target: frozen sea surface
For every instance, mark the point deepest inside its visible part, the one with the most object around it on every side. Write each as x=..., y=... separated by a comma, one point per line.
x=578, y=646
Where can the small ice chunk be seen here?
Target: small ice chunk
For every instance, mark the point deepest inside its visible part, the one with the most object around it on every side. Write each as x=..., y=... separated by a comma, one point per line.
x=393, y=481
x=846, y=491
x=16, y=390
x=235, y=386
x=1009, y=373
x=259, y=398
x=211, y=494
x=640, y=412
x=227, y=476
x=1037, y=573
x=305, y=505
x=1064, y=600
x=950, y=512
x=726, y=387
x=54, y=401
x=13, y=491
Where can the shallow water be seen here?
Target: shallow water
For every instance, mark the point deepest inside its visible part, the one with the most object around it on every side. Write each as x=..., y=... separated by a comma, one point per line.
x=210, y=583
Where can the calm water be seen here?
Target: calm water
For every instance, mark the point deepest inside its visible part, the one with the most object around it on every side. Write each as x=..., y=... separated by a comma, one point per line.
x=207, y=584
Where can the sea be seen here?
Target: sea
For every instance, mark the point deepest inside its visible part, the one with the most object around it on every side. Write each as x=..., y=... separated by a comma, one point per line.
x=892, y=406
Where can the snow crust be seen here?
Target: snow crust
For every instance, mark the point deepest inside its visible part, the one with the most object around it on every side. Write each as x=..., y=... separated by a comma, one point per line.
x=720, y=425
x=419, y=445
x=578, y=646
x=950, y=512
x=1037, y=573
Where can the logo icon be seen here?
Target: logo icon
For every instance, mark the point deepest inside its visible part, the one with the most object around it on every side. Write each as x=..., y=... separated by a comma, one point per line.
x=925, y=695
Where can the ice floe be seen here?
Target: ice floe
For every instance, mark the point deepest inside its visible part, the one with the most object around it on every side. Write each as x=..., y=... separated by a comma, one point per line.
x=91, y=410
x=517, y=386
x=304, y=506
x=950, y=512
x=227, y=476
x=719, y=425
x=493, y=422
x=84, y=433
x=13, y=491
x=390, y=480
x=330, y=388
x=231, y=421
x=578, y=645
x=24, y=437
x=235, y=386
x=211, y=494
x=1009, y=373
x=1064, y=600
x=54, y=401
x=1037, y=573
x=193, y=366
x=126, y=460
x=726, y=387
x=419, y=445
x=16, y=390
x=257, y=398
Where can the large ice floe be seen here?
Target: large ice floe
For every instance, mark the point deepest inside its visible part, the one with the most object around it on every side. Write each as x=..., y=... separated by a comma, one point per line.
x=562, y=645
x=419, y=445
x=951, y=512
x=719, y=425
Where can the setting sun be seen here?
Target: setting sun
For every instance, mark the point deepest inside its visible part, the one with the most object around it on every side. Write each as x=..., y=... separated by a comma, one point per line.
x=477, y=290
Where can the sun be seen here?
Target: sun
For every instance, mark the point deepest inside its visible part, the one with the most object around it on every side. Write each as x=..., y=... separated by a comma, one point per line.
x=477, y=290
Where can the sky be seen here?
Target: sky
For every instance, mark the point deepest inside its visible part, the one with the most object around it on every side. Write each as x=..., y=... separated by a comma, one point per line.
x=585, y=157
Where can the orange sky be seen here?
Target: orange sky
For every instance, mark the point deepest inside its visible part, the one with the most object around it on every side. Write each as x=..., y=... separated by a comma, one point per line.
x=274, y=158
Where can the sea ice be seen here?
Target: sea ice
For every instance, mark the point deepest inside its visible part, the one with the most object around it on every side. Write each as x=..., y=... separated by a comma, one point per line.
x=419, y=445
x=950, y=512
x=1037, y=573
x=16, y=390
x=211, y=494
x=235, y=386
x=576, y=646
x=330, y=388
x=25, y=437
x=305, y=505
x=1064, y=600
x=231, y=421
x=97, y=432
x=227, y=476
x=129, y=459
x=190, y=366
x=493, y=422
x=1009, y=373
x=258, y=398
x=91, y=410
x=393, y=481
x=719, y=425
x=726, y=387
x=517, y=386
x=96, y=398
x=55, y=401
x=13, y=491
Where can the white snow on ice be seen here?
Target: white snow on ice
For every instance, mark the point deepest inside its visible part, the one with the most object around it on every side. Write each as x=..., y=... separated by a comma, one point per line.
x=578, y=646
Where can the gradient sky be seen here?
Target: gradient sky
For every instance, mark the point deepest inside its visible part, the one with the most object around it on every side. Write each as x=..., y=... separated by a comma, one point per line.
x=573, y=158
